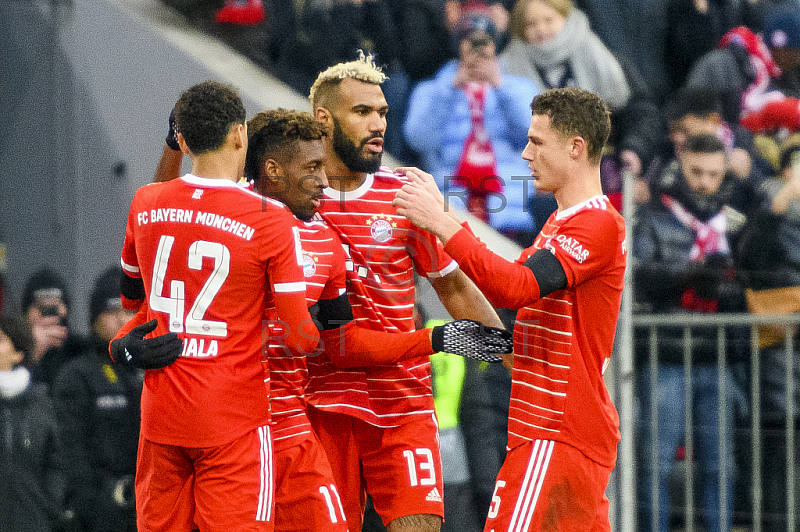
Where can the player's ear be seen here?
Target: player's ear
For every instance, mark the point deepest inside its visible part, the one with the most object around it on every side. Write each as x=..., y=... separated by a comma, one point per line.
x=182, y=143
x=577, y=146
x=324, y=116
x=240, y=136
x=272, y=169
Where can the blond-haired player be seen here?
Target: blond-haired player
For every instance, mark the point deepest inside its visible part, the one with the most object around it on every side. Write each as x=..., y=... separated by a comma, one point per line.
x=377, y=424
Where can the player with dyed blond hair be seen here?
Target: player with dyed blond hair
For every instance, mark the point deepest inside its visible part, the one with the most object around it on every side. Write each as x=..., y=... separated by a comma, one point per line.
x=377, y=424
x=563, y=429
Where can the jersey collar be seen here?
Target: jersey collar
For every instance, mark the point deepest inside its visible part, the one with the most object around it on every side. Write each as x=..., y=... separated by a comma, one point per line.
x=560, y=215
x=206, y=182
x=334, y=194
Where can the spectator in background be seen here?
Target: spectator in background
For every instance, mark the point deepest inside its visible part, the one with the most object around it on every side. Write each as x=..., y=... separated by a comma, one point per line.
x=469, y=121
x=743, y=70
x=308, y=36
x=97, y=404
x=682, y=245
x=554, y=46
x=773, y=108
x=46, y=303
x=31, y=484
x=700, y=111
x=425, y=33
x=770, y=251
x=782, y=36
x=694, y=27
x=497, y=10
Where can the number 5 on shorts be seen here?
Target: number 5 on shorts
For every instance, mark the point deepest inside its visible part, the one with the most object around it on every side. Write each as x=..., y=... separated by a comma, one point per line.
x=426, y=464
x=494, y=508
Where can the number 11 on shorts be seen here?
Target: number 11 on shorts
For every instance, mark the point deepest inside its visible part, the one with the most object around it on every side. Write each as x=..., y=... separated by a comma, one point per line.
x=424, y=464
x=332, y=495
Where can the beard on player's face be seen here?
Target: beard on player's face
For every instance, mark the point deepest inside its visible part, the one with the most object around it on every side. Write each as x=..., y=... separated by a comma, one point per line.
x=352, y=155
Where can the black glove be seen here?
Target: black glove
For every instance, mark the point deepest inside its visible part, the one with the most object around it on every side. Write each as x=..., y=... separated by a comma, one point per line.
x=472, y=339
x=134, y=349
x=172, y=133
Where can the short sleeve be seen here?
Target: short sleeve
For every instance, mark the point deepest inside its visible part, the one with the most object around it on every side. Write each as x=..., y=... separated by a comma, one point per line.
x=285, y=254
x=428, y=254
x=128, y=258
x=337, y=282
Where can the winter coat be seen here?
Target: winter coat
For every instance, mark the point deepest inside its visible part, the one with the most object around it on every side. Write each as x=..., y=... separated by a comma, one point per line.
x=438, y=123
x=664, y=274
x=98, y=408
x=31, y=483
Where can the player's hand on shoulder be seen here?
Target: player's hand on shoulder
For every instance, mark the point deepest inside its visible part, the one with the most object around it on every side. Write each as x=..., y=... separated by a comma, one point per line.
x=134, y=349
x=472, y=339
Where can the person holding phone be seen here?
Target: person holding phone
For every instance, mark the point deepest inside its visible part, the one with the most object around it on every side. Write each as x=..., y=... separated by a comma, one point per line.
x=46, y=304
x=469, y=123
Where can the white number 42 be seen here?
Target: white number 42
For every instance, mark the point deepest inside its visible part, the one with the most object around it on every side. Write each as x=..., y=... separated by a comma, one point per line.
x=173, y=304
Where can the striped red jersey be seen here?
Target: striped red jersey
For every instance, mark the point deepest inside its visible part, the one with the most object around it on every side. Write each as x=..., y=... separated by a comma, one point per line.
x=562, y=342
x=324, y=272
x=209, y=252
x=383, y=249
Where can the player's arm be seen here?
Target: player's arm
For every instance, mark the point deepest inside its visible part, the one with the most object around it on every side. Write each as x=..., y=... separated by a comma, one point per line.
x=285, y=274
x=462, y=299
x=347, y=345
x=507, y=284
x=169, y=166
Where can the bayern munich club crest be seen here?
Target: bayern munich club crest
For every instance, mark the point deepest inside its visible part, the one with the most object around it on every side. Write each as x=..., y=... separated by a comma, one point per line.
x=381, y=227
x=309, y=265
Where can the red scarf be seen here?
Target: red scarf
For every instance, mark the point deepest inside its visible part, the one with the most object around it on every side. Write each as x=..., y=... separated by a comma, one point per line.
x=477, y=166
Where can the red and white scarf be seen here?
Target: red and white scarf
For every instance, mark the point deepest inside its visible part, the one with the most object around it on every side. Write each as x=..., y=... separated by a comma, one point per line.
x=709, y=236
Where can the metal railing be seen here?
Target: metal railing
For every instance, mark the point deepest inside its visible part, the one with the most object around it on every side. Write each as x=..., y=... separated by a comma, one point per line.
x=623, y=487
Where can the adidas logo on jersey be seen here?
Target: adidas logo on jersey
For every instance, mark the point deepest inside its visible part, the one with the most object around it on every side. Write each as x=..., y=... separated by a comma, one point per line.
x=434, y=496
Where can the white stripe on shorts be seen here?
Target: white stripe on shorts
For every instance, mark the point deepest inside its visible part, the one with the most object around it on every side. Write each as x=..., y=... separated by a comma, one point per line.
x=267, y=490
x=531, y=485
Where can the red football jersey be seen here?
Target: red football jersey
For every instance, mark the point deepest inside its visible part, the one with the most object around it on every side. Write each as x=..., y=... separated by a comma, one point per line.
x=562, y=342
x=209, y=252
x=383, y=249
x=324, y=272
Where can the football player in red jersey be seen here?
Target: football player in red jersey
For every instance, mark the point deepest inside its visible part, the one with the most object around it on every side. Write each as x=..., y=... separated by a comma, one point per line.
x=563, y=429
x=193, y=247
x=377, y=424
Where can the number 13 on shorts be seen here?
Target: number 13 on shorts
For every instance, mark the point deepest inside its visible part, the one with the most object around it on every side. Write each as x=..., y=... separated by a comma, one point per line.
x=420, y=467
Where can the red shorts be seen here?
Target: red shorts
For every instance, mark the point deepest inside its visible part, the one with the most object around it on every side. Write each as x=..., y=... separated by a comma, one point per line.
x=547, y=485
x=400, y=467
x=229, y=487
x=306, y=498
